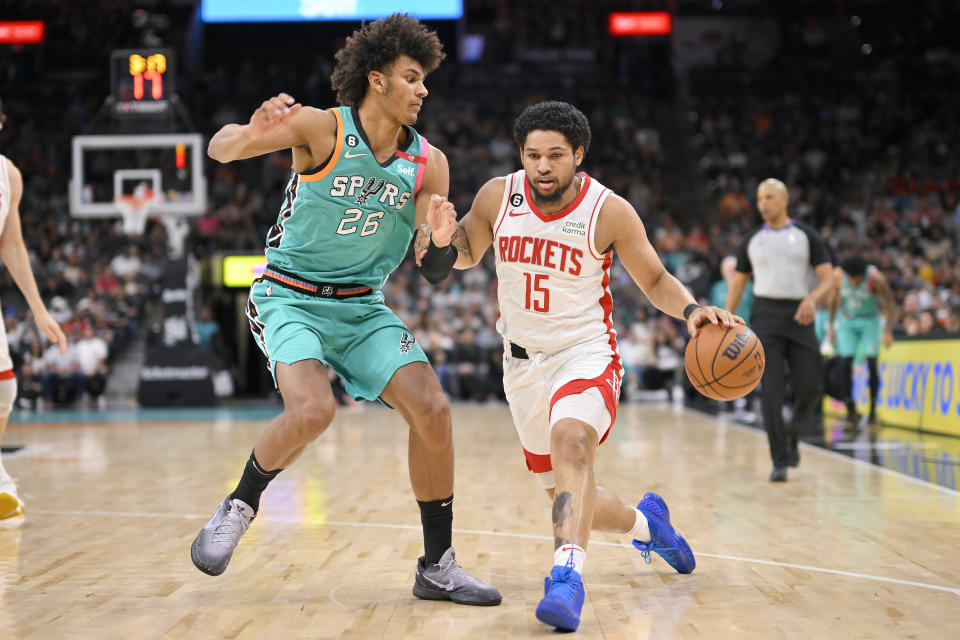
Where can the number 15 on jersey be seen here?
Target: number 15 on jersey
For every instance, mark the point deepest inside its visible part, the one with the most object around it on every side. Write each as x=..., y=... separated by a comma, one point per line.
x=538, y=295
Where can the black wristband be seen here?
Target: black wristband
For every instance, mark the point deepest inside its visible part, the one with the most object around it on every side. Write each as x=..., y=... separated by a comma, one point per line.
x=689, y=309
x=438, y=261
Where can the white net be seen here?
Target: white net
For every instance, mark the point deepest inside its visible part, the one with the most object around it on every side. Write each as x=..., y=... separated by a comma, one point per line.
x=135, y=209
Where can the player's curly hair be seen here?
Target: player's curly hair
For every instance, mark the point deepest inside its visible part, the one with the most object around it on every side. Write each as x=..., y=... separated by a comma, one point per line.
x=854, y=265
x=554, y=116
x=375, y=46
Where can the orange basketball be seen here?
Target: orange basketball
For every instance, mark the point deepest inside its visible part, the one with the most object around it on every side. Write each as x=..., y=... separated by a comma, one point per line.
x=724, y=363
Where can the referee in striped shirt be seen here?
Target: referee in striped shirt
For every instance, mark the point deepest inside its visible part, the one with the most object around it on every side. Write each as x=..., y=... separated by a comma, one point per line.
x=779, y=255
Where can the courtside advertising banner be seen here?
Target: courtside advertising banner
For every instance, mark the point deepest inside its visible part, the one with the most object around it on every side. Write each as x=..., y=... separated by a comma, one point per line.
x=919, y=386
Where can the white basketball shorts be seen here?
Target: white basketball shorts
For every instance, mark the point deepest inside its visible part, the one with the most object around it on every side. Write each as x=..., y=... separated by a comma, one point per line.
x=582, y=382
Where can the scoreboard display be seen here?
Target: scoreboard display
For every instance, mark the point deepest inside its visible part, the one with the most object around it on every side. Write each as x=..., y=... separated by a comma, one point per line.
x=325, y=10
x=141, y=81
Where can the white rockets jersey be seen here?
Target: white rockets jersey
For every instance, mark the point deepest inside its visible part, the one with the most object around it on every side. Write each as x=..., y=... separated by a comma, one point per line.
x=5, y=194
x=554, y=289
x=6, y=364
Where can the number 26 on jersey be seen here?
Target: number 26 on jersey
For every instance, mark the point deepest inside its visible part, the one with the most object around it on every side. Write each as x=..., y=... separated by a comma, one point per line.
x=349, y=223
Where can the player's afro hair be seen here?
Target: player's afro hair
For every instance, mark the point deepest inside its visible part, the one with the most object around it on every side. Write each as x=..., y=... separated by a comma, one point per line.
x=554, y=116
x=375, y=46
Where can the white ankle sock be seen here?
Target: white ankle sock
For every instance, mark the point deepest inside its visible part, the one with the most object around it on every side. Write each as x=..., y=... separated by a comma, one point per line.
x=640, y=531
x=3, y=472
x=570, y=553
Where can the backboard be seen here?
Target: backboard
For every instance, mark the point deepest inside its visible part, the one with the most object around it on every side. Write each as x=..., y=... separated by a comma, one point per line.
x=107, y=167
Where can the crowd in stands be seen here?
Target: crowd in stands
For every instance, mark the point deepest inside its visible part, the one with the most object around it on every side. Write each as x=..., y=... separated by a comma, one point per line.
x=869, y=159
x=95, y=279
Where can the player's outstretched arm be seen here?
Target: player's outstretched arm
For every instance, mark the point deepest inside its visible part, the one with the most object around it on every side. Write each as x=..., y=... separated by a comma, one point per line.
x=439, y=256
x=619, y=228
x=887, y=302
x=834, y=301
x=14, y=254
x=474, y=233
x=471, y=236
x=807, y=309
x=433, y=207
x=279, y=123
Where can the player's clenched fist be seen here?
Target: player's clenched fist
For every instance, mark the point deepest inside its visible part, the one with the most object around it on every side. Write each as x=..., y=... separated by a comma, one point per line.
x=273, y=114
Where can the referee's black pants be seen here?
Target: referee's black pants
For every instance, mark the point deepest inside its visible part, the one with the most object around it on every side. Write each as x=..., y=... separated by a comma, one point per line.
x=785, y=341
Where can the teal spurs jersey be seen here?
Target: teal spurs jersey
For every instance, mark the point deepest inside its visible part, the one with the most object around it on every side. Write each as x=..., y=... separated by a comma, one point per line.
x=351, y=219
x=858, y=301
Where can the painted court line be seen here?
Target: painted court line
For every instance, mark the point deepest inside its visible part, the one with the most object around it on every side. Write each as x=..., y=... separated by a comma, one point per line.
x=504, y=534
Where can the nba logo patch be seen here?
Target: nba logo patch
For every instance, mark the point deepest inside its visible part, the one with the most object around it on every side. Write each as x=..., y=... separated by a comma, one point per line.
x=270, y=291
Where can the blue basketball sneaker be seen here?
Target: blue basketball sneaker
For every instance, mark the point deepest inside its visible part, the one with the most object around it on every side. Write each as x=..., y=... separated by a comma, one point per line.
x=562, y=599
x=665, y=540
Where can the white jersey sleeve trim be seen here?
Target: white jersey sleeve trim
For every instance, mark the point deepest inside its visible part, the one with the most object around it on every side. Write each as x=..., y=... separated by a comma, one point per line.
x=504, y=202
x=593, y=227
x=6, y=193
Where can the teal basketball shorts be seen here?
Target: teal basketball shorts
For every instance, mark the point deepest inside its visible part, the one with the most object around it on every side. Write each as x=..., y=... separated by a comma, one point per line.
x=858, y=337
x=360, y=338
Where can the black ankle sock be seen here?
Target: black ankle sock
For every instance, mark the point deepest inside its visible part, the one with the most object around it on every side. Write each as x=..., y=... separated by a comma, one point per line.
x=436, y=516
x=252, y=483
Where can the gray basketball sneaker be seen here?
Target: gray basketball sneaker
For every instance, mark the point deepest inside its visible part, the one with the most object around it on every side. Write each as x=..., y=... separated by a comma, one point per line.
x=215, y=543
x=447, y=580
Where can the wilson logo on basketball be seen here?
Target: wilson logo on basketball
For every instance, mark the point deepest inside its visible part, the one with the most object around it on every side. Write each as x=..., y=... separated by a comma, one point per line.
x=734, y=374
x=736, y=346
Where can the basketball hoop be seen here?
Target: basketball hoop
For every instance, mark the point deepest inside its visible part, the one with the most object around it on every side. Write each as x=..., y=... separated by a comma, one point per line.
x=135, y=209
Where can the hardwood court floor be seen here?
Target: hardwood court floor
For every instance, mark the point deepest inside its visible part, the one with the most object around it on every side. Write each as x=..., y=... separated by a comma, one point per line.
x=843, y=550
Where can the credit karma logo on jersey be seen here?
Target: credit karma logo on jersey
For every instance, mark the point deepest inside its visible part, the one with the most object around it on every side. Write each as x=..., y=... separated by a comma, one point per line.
x=575, y=228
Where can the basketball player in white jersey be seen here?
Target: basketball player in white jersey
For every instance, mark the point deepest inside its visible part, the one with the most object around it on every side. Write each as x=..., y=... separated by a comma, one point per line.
x=554, y=232
x=13, y=252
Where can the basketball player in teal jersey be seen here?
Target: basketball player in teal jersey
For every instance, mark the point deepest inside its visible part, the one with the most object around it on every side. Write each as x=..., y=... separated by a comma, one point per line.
x=363, y=180
x=858, y=289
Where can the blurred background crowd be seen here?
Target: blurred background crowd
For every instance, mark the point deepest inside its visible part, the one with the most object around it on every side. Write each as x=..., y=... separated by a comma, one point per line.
x=852, y=104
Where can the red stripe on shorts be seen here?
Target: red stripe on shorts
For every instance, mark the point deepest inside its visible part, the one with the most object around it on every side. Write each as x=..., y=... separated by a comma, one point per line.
x=7, y=375
x=538, y=462
x=607, y=383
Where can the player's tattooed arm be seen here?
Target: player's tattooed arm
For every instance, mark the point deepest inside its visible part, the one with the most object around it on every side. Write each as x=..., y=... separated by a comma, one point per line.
x=459, y=241
x=421, y=242
x=462, y=244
